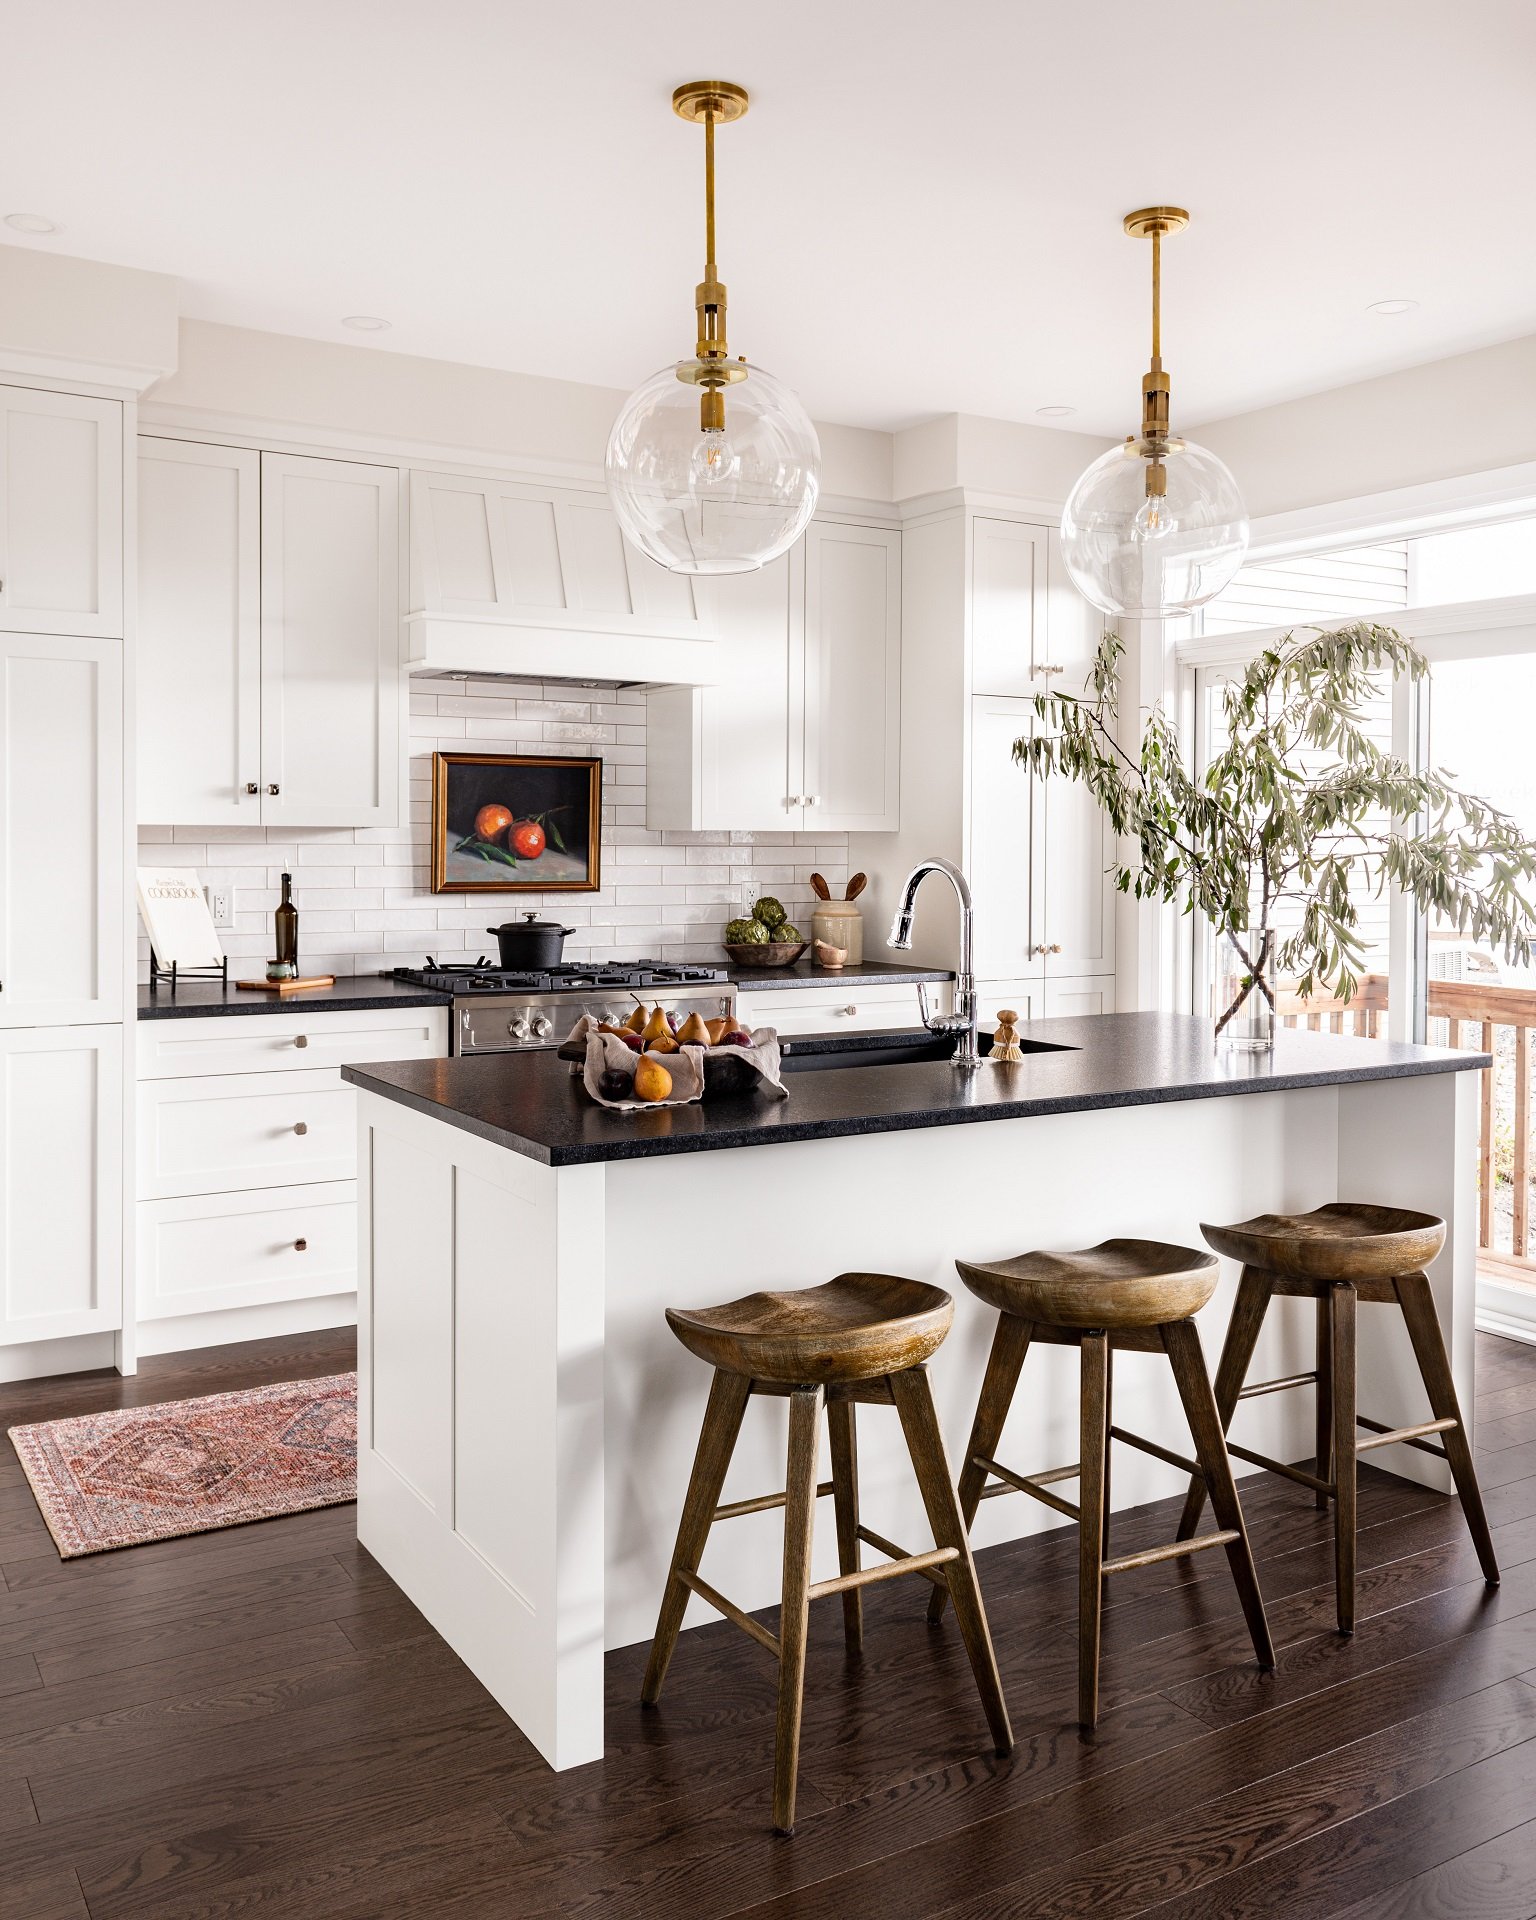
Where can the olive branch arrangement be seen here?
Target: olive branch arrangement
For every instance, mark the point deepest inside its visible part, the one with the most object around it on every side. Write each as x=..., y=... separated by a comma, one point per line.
x=1300, y=809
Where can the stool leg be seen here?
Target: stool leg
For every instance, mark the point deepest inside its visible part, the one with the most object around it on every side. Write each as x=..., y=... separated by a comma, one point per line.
x=728, y=1395
x=1090, y=1533
x=1181, y=1341
x=1010, y=1343
x=805, y=1405
x=920, y=1424
x=845, y=1501
x=1253, y=1295
x=1418, y=1304
x=1324, y=1422
x=1109, y=1445
x=1341, y=1335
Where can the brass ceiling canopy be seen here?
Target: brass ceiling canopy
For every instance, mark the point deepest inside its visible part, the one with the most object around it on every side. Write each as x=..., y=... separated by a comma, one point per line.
x=696, y=99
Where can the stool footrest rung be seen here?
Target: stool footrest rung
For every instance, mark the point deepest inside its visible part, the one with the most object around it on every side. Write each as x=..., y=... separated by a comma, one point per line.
x=1034, y=1485
x=1385, y=1436
x=881, y=1545
x=1149, y=1556
x=1277, y=1386
x=764, y=1503
x=889, y=1570
x=754, y=1628
x=1298, y=1474
x=1158, y=1453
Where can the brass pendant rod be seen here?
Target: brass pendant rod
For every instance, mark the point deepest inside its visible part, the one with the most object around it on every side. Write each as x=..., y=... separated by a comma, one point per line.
x=709, y=195
x=1157, y=296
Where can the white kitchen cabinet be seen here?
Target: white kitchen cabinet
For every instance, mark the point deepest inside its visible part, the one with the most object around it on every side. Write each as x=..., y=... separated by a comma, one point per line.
x=1031, y=630
x=838, y=1007
x=199, y=634
x=247, y=1153
x=332, y=746
x=268, y=639
x=1040, y=858
x=62, y=867
x=849, y=683
x=61, y=1180
x=802, y=729
x=61, y=514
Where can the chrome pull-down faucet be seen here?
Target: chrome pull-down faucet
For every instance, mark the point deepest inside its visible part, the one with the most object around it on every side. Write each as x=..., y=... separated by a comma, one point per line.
x=963, y=1020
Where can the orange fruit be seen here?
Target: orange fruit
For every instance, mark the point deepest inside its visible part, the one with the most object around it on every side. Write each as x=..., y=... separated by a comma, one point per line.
x=491, y=822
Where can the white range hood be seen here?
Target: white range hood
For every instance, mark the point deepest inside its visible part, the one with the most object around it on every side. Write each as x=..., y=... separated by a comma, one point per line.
x=526, y=579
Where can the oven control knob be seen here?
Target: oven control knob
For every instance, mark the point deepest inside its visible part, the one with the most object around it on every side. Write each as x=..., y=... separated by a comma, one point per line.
x=517, y=1026
x=543, y=1026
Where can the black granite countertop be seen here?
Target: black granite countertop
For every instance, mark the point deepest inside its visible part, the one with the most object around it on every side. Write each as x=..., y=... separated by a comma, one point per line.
x=530, y=1103
x=869, y=973
x=355, y=993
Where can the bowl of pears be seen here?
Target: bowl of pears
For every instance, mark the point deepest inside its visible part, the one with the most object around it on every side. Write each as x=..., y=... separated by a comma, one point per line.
x=734, y=1060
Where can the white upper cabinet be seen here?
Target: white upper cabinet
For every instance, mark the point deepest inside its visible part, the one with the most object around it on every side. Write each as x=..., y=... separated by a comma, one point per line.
x=513, y=577
x=802, y=728
x=62, y=850
x=1072, y=625
x=61, y=514
x=851, y=686
x=199, y=634
x=1008, y=605
x=331, y=695
x=61, y=1182
x=269, y=687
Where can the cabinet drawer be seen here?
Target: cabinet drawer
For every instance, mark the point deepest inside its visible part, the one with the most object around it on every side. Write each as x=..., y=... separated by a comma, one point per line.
x=208, y=1251
x=223, y=1133
x=838, y=1009
x=286, y=1042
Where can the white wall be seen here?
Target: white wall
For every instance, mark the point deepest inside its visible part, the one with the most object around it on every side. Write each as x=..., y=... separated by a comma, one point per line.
x=364, y=894
x=1472, y=414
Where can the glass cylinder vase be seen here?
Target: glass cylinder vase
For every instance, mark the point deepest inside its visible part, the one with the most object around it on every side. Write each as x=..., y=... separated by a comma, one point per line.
x=1243, y=993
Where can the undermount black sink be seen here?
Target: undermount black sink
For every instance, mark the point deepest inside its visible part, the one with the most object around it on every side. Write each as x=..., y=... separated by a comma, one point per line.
x=817, y=1052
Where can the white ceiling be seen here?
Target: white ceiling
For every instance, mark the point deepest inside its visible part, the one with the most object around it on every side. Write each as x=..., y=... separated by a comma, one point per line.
x=920, y=215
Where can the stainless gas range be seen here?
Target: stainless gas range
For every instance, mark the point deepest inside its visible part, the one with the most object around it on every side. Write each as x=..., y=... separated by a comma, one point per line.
x=495, y=1011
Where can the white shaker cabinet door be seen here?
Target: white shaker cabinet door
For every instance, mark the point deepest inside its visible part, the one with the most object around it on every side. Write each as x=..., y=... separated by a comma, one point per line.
x=1005, y=800
x=849, y=691
x=62, y=861
x=61, y=513
x=1008, y=606
x=331, y=694
x=1074, y=882
x=199, y=634
x=61, y=1175
x=1073, y=626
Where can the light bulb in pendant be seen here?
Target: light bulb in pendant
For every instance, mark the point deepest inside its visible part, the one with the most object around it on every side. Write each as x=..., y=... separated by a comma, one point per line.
x=715, y=462
x=1151, y=522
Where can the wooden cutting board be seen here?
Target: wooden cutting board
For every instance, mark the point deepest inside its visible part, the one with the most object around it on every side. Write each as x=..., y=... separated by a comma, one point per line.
x=288, y=986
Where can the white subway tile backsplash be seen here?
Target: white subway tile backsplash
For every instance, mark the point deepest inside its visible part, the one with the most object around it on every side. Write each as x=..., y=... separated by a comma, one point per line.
x=364, y=894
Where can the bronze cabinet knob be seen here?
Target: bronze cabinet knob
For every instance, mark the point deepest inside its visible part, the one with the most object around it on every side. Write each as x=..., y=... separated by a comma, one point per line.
x=301, y=1039
x=301, y=1126
x=274, y=788
x=251, y=787
x=300, y=1245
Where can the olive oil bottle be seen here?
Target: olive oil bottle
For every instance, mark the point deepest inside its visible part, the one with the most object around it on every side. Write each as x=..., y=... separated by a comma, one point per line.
x=286, y=920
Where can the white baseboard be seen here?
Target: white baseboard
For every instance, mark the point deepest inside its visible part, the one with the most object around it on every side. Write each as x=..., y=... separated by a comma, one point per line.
x=43, y=1359
x=1509, y=1311
x=185, y=1331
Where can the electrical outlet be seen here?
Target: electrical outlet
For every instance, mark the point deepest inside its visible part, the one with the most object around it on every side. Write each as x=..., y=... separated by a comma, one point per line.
x=221, y=904
x=751, y=893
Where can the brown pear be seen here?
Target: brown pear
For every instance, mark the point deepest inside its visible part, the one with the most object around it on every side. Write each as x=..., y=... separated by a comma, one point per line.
x=693, y=1032
x=636, y=1021
x=663, y=1043
x=656, y=1027
x=652, y=1081
x=717, y=1028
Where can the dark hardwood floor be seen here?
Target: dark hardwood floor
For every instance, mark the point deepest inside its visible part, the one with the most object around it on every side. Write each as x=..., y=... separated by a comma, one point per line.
x=256, y=1723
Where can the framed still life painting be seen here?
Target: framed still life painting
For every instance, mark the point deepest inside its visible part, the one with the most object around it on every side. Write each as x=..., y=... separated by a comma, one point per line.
x=515, y=823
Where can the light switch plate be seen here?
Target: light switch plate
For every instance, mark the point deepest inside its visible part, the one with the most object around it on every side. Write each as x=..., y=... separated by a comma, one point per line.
x=221, y=904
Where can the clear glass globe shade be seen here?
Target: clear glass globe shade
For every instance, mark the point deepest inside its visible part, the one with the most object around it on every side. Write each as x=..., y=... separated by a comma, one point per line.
x=723, y=502
x=1134, y=553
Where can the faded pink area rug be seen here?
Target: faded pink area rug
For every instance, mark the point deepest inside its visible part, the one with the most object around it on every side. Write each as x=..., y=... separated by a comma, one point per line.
x=124, y=1478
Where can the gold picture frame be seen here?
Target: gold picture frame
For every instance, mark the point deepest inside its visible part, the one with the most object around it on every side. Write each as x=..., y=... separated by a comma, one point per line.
x=527, y=822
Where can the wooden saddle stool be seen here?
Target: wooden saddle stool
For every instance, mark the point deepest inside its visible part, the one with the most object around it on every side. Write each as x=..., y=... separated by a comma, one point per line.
x=1339, y=1255
x=1125, y=1296
x=863, y=1337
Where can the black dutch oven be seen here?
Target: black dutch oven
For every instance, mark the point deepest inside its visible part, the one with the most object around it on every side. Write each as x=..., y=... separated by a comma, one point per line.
x=530, y=944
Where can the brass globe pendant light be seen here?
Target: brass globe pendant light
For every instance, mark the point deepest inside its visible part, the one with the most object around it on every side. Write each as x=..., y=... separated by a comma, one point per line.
x=1156, y=526
x=713, y=464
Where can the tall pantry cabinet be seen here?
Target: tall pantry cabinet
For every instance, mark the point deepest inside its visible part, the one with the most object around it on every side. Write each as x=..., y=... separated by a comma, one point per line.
x=66, y=831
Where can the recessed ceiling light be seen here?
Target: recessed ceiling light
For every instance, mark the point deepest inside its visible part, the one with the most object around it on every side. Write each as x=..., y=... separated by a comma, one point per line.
x=1055, y=413
x=31, y=223
x=365, y=323
x=1392, y=306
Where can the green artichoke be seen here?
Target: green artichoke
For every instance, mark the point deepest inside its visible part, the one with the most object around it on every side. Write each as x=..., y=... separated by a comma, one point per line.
x=745, y=933
x=788, y=933
x=770, y=911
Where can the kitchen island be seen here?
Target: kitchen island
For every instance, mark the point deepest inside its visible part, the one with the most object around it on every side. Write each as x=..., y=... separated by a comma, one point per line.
x=527, y=1422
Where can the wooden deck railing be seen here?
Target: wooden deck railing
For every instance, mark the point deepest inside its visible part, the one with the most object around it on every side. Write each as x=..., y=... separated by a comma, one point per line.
x=1485, y=1010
